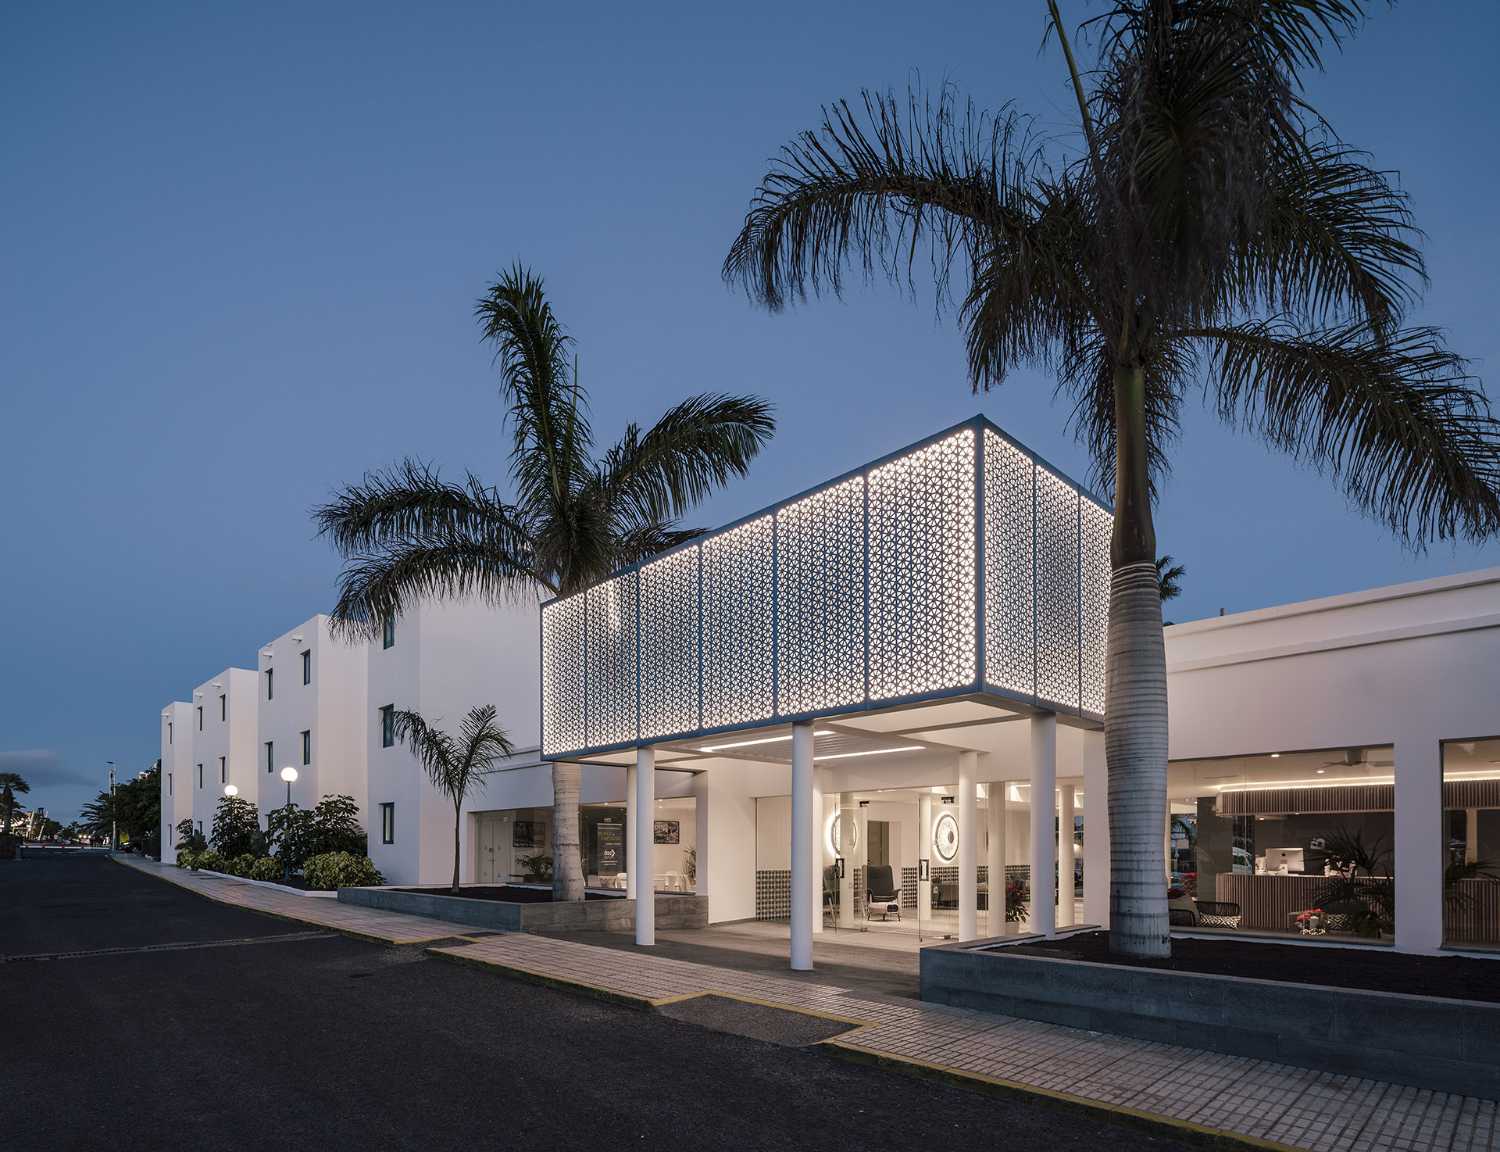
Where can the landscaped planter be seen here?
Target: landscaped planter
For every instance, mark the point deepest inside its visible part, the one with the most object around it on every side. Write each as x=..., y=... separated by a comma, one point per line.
x=602, y=913
x=1426, y=1041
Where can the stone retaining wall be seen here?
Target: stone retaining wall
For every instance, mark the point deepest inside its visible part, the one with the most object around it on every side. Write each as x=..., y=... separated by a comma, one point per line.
x=611, y=914
x=1426, y=1041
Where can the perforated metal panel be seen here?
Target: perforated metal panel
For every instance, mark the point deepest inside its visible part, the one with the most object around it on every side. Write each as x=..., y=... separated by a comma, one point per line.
x=922, y=578
x=610, y=640
x=820, y=591
x=1097, y=525
x=737, y=582
x=1056, y=589
x=562, y=676
x=868, y=590
x=1009, y=627
x=669, y=645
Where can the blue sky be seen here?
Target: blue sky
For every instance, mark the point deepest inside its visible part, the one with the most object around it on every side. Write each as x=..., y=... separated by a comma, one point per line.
x=242, y=242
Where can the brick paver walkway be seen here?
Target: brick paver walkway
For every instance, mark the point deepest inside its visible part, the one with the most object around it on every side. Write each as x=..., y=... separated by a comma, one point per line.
x=1272, y=1105
x=369, y=923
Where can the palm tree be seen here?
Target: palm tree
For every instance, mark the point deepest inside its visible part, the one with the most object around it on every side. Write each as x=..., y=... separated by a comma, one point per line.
x=405, y=534
x=1209, y=231
x=455, y=766
x=11, y=785
x=1169, y=578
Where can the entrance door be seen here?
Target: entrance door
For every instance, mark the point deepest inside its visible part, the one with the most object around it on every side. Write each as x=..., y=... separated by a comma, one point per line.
x=489, y=829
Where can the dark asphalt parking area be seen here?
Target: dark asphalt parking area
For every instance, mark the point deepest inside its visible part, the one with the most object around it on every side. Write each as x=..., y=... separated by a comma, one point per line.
x=325, y=1042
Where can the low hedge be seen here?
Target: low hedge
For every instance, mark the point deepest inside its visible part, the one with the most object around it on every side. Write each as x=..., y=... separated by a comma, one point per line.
x=333, y=870
x=266, y=868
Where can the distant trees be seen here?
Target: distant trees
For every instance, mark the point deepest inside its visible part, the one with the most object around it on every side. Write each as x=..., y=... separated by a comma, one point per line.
x=11, y=785
x=135, y=810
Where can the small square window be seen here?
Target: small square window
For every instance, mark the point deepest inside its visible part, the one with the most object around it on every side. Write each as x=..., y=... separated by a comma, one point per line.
x=270, y=683
x=307, y=667
x=388, y=632
x=388, y=726
x=223, y=707
x=387, y=823
x=223, y=770
x=307, y=747
x=270, y=756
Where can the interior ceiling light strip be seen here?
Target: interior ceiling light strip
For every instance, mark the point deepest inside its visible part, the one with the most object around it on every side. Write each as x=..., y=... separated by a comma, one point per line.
x=871, y=752
x=1339, y=782
x=760, y=740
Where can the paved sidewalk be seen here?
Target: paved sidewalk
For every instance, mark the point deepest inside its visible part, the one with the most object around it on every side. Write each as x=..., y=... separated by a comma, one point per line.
x=366, y=923
x=1261, y=1103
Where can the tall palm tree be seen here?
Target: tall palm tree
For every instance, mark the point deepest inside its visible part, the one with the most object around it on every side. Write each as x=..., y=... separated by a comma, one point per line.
x=456, y=765
x=407, y=535
x=12, y=784
x=1208, y=230
x=1169, y=578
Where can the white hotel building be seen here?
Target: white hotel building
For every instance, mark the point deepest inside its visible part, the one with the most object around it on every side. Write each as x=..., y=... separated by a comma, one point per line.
x=839, y=713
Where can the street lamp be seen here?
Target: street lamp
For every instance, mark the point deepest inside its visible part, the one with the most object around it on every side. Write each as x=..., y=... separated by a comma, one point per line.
x=231, y=791
x=289, y=774
x=114, y=833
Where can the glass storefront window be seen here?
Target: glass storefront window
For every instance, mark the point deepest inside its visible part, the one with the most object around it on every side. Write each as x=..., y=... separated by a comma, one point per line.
x=1471, y=843
x=1299, y=844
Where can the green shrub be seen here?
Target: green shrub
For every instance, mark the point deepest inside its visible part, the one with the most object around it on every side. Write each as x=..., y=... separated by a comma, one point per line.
x=240, y=865
x=209, y=861
x=331, y=870
x=265, y=868
x=236, y=830
x=187, y=858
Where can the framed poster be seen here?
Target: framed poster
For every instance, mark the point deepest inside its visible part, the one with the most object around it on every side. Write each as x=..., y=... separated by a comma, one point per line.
x=609, y=847
x=666, y=832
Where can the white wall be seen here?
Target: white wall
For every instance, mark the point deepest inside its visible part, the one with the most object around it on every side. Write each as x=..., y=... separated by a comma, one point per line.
x=230, y=734
x=178, y=776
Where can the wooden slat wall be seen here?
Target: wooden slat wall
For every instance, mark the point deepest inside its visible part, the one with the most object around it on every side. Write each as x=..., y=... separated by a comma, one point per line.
x=1267, y=904
x=1477, y=920
x=1349, y=798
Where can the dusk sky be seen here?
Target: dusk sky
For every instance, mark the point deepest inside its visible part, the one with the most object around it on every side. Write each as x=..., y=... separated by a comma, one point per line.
x=241, y=245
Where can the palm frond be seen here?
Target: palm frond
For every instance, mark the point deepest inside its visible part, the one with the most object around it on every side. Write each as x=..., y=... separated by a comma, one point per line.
x=381, y=584
x=482, y=741
x=433, y=748
x=697, y=446
x=870, y=190
x=1393, y=417
x=411, y=502
x=548, y=411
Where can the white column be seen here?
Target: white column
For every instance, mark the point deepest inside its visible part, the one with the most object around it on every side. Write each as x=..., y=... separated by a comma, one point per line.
x=700, y=832
x=802, y=847
x=1419, y=843
x=968, y=856
x=642, y=866
x=1043, y=838
x=1065, y=809
x=846, y=849
x=1095, y=831
x=820, y=792
x=995, y=855
x=630, y=823
x=924, y=852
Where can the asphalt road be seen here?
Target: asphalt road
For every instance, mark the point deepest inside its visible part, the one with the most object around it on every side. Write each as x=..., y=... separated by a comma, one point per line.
x=324, y=1042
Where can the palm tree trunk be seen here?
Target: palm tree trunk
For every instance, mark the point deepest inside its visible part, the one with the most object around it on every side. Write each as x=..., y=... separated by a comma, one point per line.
x=457, y=821
x=567, y=868
x=1135, y=726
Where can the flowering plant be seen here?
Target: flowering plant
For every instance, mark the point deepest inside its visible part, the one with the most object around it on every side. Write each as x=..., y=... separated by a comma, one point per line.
x=1304, y=917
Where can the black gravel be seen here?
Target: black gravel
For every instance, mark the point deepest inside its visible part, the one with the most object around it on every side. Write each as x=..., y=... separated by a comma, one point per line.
x=333, y=1044
x=1373, y=969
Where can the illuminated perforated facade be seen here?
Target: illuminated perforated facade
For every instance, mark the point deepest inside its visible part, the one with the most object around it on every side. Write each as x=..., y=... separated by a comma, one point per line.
x=960, y=565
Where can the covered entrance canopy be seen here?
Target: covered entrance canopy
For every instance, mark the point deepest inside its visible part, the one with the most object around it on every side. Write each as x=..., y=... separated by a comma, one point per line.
x=960, y=570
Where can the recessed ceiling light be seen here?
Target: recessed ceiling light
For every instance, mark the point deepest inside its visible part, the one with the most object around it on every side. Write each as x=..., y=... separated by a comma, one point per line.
x=1275, y=755
x=753, y=743
x=872, y=752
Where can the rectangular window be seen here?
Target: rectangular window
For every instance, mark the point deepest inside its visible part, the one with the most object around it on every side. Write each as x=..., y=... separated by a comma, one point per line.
x=307, y=747
x=223, y=771
x=169, y=731
x=388, y=632
x=270, y=756
x=387, y=823
x=200, y=822
x=388, y=726
x=307, y=667
x=223, y=707
x=200, y=717
x=270, y=683
x=200, y=775
x=169, y=783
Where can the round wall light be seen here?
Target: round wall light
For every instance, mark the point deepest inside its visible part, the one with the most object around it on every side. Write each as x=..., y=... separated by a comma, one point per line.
x=945, y=837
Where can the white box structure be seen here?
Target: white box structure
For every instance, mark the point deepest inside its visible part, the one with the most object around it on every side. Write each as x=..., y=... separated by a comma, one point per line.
x=312, y=717
x=963, y=565
x=443, y=659
x=178, y=775
x=224, y=727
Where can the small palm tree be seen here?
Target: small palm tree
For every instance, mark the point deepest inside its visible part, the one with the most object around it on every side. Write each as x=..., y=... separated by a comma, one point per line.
x=12, y=784
x=407, y=535
x=1208, y=231
x=456, y=765
x=1169, y=578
